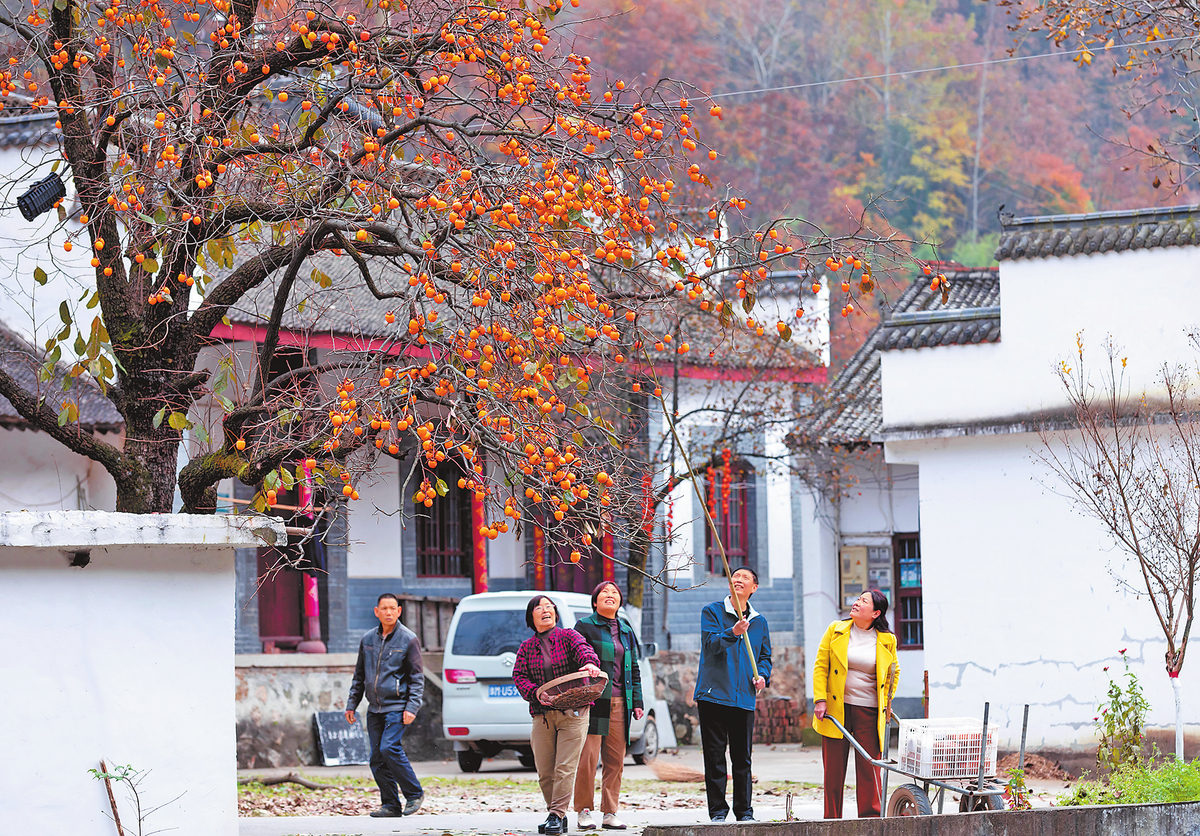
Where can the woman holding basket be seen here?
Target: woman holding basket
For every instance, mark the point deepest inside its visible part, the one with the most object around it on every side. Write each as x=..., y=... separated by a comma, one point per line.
x=853, y=681
x=558, y=734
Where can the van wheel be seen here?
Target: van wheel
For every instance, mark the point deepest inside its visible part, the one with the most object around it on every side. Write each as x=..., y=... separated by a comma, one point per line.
x=526, y=760
x=469, y=761
x=650, y=743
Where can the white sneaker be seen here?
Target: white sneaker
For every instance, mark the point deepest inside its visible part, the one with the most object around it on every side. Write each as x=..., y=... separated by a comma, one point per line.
x=585, y=820
x=611, y=822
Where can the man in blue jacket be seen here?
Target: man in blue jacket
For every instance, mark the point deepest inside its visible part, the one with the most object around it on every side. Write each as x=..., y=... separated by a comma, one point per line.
x=390, y=673
x=726, y=691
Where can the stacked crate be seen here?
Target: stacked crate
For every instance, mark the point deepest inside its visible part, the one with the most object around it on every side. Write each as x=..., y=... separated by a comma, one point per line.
x=778, y=720
x=949, y=748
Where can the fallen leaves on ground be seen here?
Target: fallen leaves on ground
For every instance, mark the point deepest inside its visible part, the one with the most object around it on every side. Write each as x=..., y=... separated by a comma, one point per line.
x=360, y=798
x=1036, y=767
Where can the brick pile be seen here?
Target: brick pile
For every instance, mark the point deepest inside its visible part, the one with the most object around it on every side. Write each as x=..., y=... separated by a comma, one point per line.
x=779, y=720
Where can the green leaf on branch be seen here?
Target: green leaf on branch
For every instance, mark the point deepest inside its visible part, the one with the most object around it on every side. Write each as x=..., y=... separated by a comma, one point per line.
x=748, y=302
x=39, y=276
x=64, y=313
x=179, y=421
x=441, y=487
x=158, y=418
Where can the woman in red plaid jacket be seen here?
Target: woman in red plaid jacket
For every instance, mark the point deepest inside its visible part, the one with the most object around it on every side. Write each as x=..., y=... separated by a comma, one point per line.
x=558, y=735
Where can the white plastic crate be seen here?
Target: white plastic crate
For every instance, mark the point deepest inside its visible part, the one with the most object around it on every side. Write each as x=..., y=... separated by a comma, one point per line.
x=945, y=748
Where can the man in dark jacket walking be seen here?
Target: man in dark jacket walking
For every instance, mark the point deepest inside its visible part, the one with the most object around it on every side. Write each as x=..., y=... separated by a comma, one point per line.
x=726, y=691
x=389, y=672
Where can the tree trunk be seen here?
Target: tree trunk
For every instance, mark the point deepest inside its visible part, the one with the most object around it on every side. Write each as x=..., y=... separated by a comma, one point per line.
x=1178, y=718
x=151, y=488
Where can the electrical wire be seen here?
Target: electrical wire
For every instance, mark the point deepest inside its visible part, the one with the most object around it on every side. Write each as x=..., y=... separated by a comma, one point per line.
x=1009, y=60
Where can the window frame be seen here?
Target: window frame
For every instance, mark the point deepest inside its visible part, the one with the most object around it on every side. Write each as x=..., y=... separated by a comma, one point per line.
x=901, y=544
x=743, y=553
x=434, y=518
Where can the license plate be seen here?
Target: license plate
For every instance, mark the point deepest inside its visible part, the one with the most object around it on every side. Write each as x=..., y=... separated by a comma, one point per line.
x=508, y=690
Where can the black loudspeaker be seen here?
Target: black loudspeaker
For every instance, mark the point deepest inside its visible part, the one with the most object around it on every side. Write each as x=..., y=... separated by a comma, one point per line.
x=42, y=196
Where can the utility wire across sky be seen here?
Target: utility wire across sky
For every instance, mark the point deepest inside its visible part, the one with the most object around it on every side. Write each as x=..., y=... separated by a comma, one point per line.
x=900, y=73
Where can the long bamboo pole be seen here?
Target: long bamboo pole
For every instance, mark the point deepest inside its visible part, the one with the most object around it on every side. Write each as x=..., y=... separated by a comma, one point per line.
x=712, y=525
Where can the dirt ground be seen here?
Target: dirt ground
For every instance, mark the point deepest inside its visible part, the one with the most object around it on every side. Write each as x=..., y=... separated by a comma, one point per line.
x=356, y=796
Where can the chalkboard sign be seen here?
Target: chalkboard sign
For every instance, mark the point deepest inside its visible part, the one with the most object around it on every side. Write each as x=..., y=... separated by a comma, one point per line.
x=341, y=743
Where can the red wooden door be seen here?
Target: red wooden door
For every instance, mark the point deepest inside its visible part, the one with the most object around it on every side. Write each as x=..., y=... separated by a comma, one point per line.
x=280, y=601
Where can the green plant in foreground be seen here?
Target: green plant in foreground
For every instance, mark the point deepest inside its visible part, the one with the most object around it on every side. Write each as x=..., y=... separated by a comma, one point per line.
x=1121, y=723
x=1140, y=783
x=1016, y=794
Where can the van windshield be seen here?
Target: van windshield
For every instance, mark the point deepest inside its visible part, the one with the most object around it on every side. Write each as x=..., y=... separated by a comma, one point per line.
x=489, y=632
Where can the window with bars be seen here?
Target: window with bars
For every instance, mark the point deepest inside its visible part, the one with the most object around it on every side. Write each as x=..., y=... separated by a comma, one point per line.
x=445, y=547
x=727, y=491
x=910, y=628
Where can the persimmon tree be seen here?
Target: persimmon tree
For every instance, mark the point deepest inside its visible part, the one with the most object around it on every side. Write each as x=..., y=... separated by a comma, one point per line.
x=1149, y=45
x=458, y=162
x=1133, y=465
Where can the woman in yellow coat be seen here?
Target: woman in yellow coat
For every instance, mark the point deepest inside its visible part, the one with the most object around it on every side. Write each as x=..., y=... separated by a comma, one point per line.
x=853, y=681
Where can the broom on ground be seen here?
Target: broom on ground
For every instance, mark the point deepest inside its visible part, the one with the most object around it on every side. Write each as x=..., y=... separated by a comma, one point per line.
x=675, y=772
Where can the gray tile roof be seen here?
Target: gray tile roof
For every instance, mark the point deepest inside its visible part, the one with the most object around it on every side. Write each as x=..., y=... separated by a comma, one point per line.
x=852, y=411
x=22, y=361
x=348, y=309
x=345, y=308
x=1098, y=232
x=21, y=127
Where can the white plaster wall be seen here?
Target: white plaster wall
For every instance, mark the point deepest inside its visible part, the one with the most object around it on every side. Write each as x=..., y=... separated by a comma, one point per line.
x=1019, y=603
x=702, y=405
x=820, y=577
x=506, y=556
x=1044, y=303
x=680, y=550
x=129, y=659
x=779, y=506
x=883, y=501
x=28, y=308
x=374, y=549
x=39, y=474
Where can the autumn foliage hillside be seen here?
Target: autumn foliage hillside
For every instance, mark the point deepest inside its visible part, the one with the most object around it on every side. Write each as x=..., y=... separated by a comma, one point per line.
x=940, y=151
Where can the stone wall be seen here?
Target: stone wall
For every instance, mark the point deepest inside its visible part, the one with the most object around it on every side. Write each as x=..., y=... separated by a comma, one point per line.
x=676, y=675
x=277, y=695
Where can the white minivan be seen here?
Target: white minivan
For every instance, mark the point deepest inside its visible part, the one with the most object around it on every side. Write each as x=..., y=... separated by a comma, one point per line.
x=482, y=711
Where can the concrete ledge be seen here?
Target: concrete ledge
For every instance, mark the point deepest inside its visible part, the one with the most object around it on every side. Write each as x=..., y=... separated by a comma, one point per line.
x=1128, y=820
x=75, y=530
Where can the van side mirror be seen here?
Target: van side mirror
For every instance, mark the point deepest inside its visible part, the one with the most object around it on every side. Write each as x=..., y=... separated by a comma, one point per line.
x=649, y=649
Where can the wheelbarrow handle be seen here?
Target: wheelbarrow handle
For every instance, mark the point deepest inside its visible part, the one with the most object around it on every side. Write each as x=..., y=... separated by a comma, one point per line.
x=858, y=746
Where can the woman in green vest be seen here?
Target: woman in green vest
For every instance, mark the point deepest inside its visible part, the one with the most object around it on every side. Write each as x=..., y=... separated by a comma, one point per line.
x=617, y=646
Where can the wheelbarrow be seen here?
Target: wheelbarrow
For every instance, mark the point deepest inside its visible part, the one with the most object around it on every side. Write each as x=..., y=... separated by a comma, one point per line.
x=939, y=757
